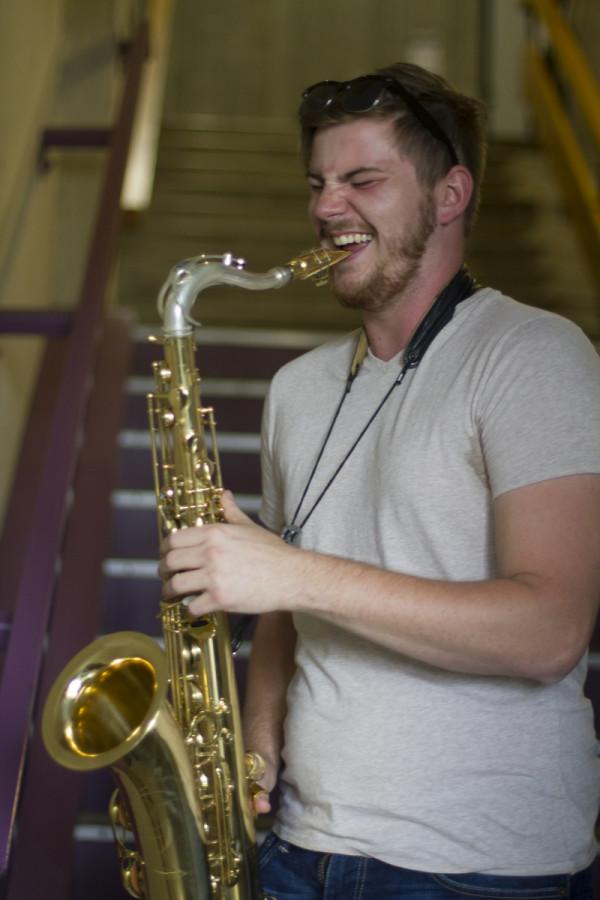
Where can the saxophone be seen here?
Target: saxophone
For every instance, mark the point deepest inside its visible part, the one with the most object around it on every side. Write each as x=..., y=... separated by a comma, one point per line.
x=168, y=722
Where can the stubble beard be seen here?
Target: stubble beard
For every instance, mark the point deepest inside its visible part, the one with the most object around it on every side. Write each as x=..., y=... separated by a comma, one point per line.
x=380, y=288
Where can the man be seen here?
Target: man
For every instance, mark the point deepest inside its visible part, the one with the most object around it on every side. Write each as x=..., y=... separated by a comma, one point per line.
x=418, y=664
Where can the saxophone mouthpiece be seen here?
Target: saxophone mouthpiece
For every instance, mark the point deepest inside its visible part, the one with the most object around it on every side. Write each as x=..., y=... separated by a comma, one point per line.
x=316, y=263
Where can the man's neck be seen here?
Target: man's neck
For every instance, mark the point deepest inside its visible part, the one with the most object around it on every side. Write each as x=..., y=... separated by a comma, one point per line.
x=389, y=330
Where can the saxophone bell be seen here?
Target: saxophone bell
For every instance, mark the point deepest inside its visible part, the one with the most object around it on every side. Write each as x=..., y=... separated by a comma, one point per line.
x=109, y=708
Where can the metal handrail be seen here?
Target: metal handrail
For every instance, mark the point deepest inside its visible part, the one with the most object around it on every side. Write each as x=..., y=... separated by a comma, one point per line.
x=25, y=648
x=553, y=49
x=572, y=61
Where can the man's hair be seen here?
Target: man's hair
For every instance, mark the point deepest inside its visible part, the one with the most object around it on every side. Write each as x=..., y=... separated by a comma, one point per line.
x=461, y=118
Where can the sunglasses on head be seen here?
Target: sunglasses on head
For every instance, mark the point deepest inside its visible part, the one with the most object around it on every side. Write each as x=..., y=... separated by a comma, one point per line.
x=364, y=93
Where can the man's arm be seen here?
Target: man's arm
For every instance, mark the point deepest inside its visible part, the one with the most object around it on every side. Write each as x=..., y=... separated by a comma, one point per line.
x=269, y=672
x=534, y=620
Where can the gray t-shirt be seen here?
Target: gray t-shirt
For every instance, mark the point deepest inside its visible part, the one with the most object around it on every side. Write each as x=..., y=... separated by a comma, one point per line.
x=385, y=756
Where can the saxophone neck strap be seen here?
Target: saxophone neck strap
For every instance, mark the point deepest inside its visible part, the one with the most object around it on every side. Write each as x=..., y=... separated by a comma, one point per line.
x=461, y=286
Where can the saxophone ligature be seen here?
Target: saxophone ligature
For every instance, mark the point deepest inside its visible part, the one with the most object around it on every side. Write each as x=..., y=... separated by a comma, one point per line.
x=167, y=722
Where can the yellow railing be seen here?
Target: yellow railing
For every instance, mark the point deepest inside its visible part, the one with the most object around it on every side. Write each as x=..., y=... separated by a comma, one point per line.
x=556, y=65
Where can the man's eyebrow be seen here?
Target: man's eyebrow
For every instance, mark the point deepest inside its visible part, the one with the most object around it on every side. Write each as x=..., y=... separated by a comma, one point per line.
x=362, y=170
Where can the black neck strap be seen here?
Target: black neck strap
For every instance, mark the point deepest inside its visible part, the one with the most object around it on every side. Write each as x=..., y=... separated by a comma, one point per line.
x=458, y=289
x=461, y=286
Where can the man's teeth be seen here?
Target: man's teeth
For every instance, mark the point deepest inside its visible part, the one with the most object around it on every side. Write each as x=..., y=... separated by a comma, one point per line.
x=341, y=240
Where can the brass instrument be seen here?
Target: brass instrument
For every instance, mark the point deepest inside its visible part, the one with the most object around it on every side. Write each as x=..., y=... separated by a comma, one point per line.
x=168, y=723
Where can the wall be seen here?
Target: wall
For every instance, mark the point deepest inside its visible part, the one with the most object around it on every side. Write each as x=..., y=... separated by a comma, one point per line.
x=235, y=58
x=58, y=67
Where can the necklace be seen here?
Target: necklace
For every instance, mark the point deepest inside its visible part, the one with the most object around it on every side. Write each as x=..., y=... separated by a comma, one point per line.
x=459, y=288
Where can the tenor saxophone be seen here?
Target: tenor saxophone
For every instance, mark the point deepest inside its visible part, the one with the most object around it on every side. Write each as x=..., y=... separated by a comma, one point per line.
x=168, y=722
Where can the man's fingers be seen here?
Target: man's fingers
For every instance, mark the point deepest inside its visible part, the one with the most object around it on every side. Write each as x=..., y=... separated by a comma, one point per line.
x=233, y=513
x=180, y=560
x=261, y=803
x=185, y=537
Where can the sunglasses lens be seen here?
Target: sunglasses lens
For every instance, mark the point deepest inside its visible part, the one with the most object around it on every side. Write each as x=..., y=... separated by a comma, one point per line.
x=319, y=96
x=361, y=94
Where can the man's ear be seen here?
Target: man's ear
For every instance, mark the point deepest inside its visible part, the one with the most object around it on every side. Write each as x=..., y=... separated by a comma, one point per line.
x=453, y=193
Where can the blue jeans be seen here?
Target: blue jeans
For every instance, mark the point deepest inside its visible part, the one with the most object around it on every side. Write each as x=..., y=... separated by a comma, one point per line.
x=292, y=873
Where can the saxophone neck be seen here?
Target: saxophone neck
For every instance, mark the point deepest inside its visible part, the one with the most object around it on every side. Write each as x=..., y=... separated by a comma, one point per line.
x=189, y=278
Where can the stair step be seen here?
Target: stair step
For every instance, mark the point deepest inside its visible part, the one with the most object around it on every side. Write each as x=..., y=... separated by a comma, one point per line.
x=232, y=182
x=228, y=442
x=223, y=160
x=221, y=361
x=96, y=871
x=168, y=203
x=134, y=527
x=247, y=142
x=243, y=413
x=241, y=471
x=131, y=603
x=229, y=231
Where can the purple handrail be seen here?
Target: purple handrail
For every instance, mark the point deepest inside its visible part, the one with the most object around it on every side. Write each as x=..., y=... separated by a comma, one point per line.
x=43, y=541
x=46, y=322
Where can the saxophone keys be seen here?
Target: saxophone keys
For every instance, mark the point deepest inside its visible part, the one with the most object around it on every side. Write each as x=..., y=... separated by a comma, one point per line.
x=255, y=768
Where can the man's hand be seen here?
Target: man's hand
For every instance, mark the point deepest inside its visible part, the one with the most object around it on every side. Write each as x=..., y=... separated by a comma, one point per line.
x=233, y=567
x=261, y=791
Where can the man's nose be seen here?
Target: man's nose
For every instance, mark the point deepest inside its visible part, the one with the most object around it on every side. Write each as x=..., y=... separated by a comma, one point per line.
x=331, y=201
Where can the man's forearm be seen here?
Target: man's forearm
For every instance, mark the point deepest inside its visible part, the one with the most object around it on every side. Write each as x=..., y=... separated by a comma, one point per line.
x=485, y=628
x=269, y=672
x=533, y=619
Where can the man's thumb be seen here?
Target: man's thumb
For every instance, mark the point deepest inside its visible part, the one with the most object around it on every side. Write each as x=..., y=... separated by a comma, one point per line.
x=233, y=514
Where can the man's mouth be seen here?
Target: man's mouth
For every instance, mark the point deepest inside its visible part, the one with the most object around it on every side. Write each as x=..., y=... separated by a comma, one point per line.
x=351, y=240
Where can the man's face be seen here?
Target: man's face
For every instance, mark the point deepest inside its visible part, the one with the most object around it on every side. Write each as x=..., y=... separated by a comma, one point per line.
x=366, y=198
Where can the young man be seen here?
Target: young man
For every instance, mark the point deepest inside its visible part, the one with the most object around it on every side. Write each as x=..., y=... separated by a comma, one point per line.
x=418, y=664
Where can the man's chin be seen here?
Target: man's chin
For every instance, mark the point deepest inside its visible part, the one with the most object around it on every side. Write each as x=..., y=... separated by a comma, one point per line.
x=358, y=299
x=376, y=293
x=350, y=292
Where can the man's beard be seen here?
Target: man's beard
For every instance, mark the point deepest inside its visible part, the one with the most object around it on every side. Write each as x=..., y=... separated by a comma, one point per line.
x=384, y=284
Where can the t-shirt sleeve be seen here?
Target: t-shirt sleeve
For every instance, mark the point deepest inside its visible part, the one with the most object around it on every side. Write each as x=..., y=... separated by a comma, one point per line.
x=271, y=508
x=539, y=405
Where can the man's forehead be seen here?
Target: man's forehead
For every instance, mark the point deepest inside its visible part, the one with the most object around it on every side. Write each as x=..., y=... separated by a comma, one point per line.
x=366, y=143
